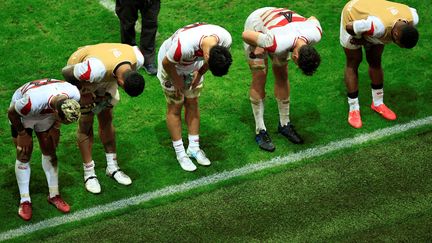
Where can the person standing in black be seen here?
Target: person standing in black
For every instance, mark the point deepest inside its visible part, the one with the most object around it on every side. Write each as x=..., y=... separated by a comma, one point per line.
x=127, y=12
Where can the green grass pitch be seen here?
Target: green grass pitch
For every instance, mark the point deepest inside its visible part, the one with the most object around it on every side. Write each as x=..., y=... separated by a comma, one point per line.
x=380, y=191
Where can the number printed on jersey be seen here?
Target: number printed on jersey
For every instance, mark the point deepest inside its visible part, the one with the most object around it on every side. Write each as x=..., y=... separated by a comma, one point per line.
x=116, y=52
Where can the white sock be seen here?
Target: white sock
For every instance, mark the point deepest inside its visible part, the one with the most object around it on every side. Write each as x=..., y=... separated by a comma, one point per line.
x=258, y=112
x=179, y=148
x=89, y=170
x=111, y=159
x=22, y=173
x=51, y=174
x=353, y=104
x=378, y=96
x=193, y=143
x=283, y=106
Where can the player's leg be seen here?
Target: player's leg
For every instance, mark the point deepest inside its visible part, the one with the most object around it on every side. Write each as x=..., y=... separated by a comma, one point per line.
x=149, y=26
x=22, y=172
x=373, y=56
x=258, y=64
x=353, y=60
x=50, y=167
x=85, y=138
x=192, y=117
x=282, y=93
x=107, y=136
x=173, y=119
x=127, y=12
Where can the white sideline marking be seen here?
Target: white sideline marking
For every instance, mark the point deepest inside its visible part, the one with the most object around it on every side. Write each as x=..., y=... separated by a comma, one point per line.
x=110, y=6
x=216, y=178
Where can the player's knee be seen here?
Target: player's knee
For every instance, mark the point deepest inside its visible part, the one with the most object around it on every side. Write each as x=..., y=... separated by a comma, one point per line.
x=257, y=65
x=23, y=157
x=191, y=103
x=354, y=62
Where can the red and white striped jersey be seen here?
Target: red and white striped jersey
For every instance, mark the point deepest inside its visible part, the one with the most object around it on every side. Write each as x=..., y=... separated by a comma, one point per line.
x=33, y=98
x=184, y=46
x=280, y=29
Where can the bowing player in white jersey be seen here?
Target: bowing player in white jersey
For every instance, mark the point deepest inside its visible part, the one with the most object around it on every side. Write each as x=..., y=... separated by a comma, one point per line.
x=280, y=34
x=41, y=105
x=183, y=60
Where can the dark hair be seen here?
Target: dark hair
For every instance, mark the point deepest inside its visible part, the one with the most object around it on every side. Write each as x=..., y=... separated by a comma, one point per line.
x=219, y=60
x=133, y=83
x=408, y=36
x=308, y=60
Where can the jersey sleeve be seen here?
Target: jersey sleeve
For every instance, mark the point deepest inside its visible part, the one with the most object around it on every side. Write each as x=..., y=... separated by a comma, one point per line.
x=312, y=32
x=27, y=106
x=139, y=57
x=179, y=51
x=415, y=16
x=74, y=93
x=274, y=43
x=91, y=70
x=372, y=26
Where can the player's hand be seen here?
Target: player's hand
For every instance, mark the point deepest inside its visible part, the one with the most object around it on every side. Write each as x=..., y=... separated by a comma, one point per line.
x=359, y=42
x=86, y=99
x=179, y=89
x=24, y=142
x=54, y=135
x=196, y=79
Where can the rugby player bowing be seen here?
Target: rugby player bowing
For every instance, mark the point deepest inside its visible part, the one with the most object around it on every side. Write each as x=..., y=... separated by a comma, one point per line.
x=98, y=70
x=277, y=33
x=372, y=24
x=183, y=60
x=41, y=105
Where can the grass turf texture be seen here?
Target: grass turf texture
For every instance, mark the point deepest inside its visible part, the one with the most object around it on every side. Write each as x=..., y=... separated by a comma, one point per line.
x=38, y=37
x=358, y=195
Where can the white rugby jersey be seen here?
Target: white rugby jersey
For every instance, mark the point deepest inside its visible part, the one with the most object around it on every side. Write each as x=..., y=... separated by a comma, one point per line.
x=33, y=98
x=280, y=29
x=184, y=46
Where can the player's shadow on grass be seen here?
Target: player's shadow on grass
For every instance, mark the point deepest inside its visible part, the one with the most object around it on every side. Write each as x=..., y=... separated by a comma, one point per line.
x=210, y=140
x=402, y=99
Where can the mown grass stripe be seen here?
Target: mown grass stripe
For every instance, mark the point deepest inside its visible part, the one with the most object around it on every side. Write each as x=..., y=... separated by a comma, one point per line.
x=216, y=178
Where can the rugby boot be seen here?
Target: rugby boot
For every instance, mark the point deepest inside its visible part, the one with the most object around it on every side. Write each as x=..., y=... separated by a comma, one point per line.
x=354, y=119
x=59, y=203
x=25, y=210
x=289, y=132
x=384, y=111
x=264, y=141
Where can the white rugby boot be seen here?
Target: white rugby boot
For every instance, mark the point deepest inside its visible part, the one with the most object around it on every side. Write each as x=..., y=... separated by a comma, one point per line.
x=200, y=156
x=119, y=176
x=186, y=163
x=92, y=184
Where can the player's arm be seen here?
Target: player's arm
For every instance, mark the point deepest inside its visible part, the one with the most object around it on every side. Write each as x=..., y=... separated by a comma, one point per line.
x=198, y=74
x=176, y=79
x=24, y=140
x=251, y=37
x=68, y=74
x=372, y=26
x=258, y=39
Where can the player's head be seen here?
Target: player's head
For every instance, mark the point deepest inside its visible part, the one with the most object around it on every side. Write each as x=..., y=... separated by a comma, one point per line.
x=219, y=60
x=68, y=110
x=133, y=83
x=308, y=59
x=408, y=36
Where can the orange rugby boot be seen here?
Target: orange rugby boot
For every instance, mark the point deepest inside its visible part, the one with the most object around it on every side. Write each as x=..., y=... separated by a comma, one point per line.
x=384, y=111
x=354, y=119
